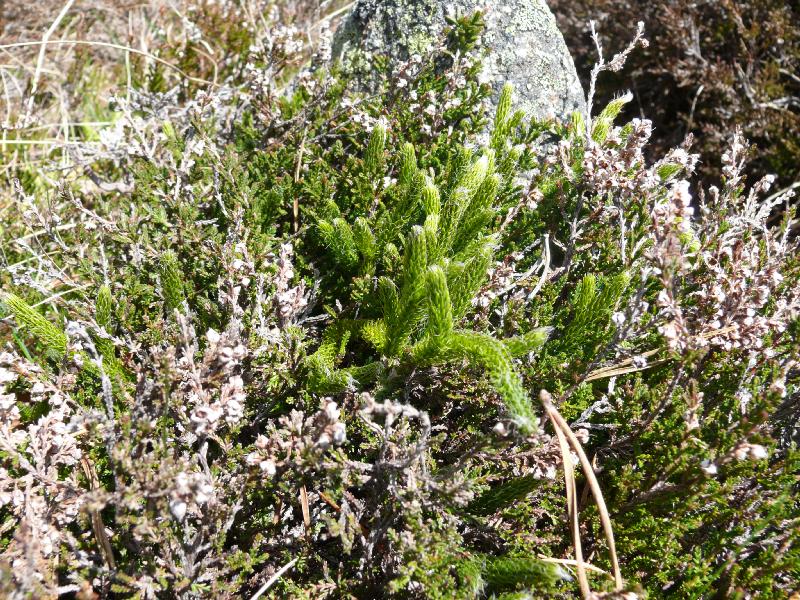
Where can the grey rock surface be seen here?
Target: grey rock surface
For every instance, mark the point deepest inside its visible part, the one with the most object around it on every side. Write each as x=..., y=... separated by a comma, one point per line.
x=525, y=46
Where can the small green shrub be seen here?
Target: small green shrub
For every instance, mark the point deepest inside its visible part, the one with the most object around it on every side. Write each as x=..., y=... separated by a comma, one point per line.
x=300, y=352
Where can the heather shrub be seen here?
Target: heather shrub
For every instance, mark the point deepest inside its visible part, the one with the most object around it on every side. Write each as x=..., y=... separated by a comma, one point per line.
x=322, y=344
x=711, y=67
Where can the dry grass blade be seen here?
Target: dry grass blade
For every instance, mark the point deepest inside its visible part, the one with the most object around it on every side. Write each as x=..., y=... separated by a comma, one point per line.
x=147, y=55
x=271, y=581
x=605, y=519
x=626, y=366
x=297, y=170
x=46, y=126
x=572, y=563
x=98, y=527
x=40, y=58
x=572, y=508
x=621, y=368
x=337, y=12
x=46, y=143
x=305, y=507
